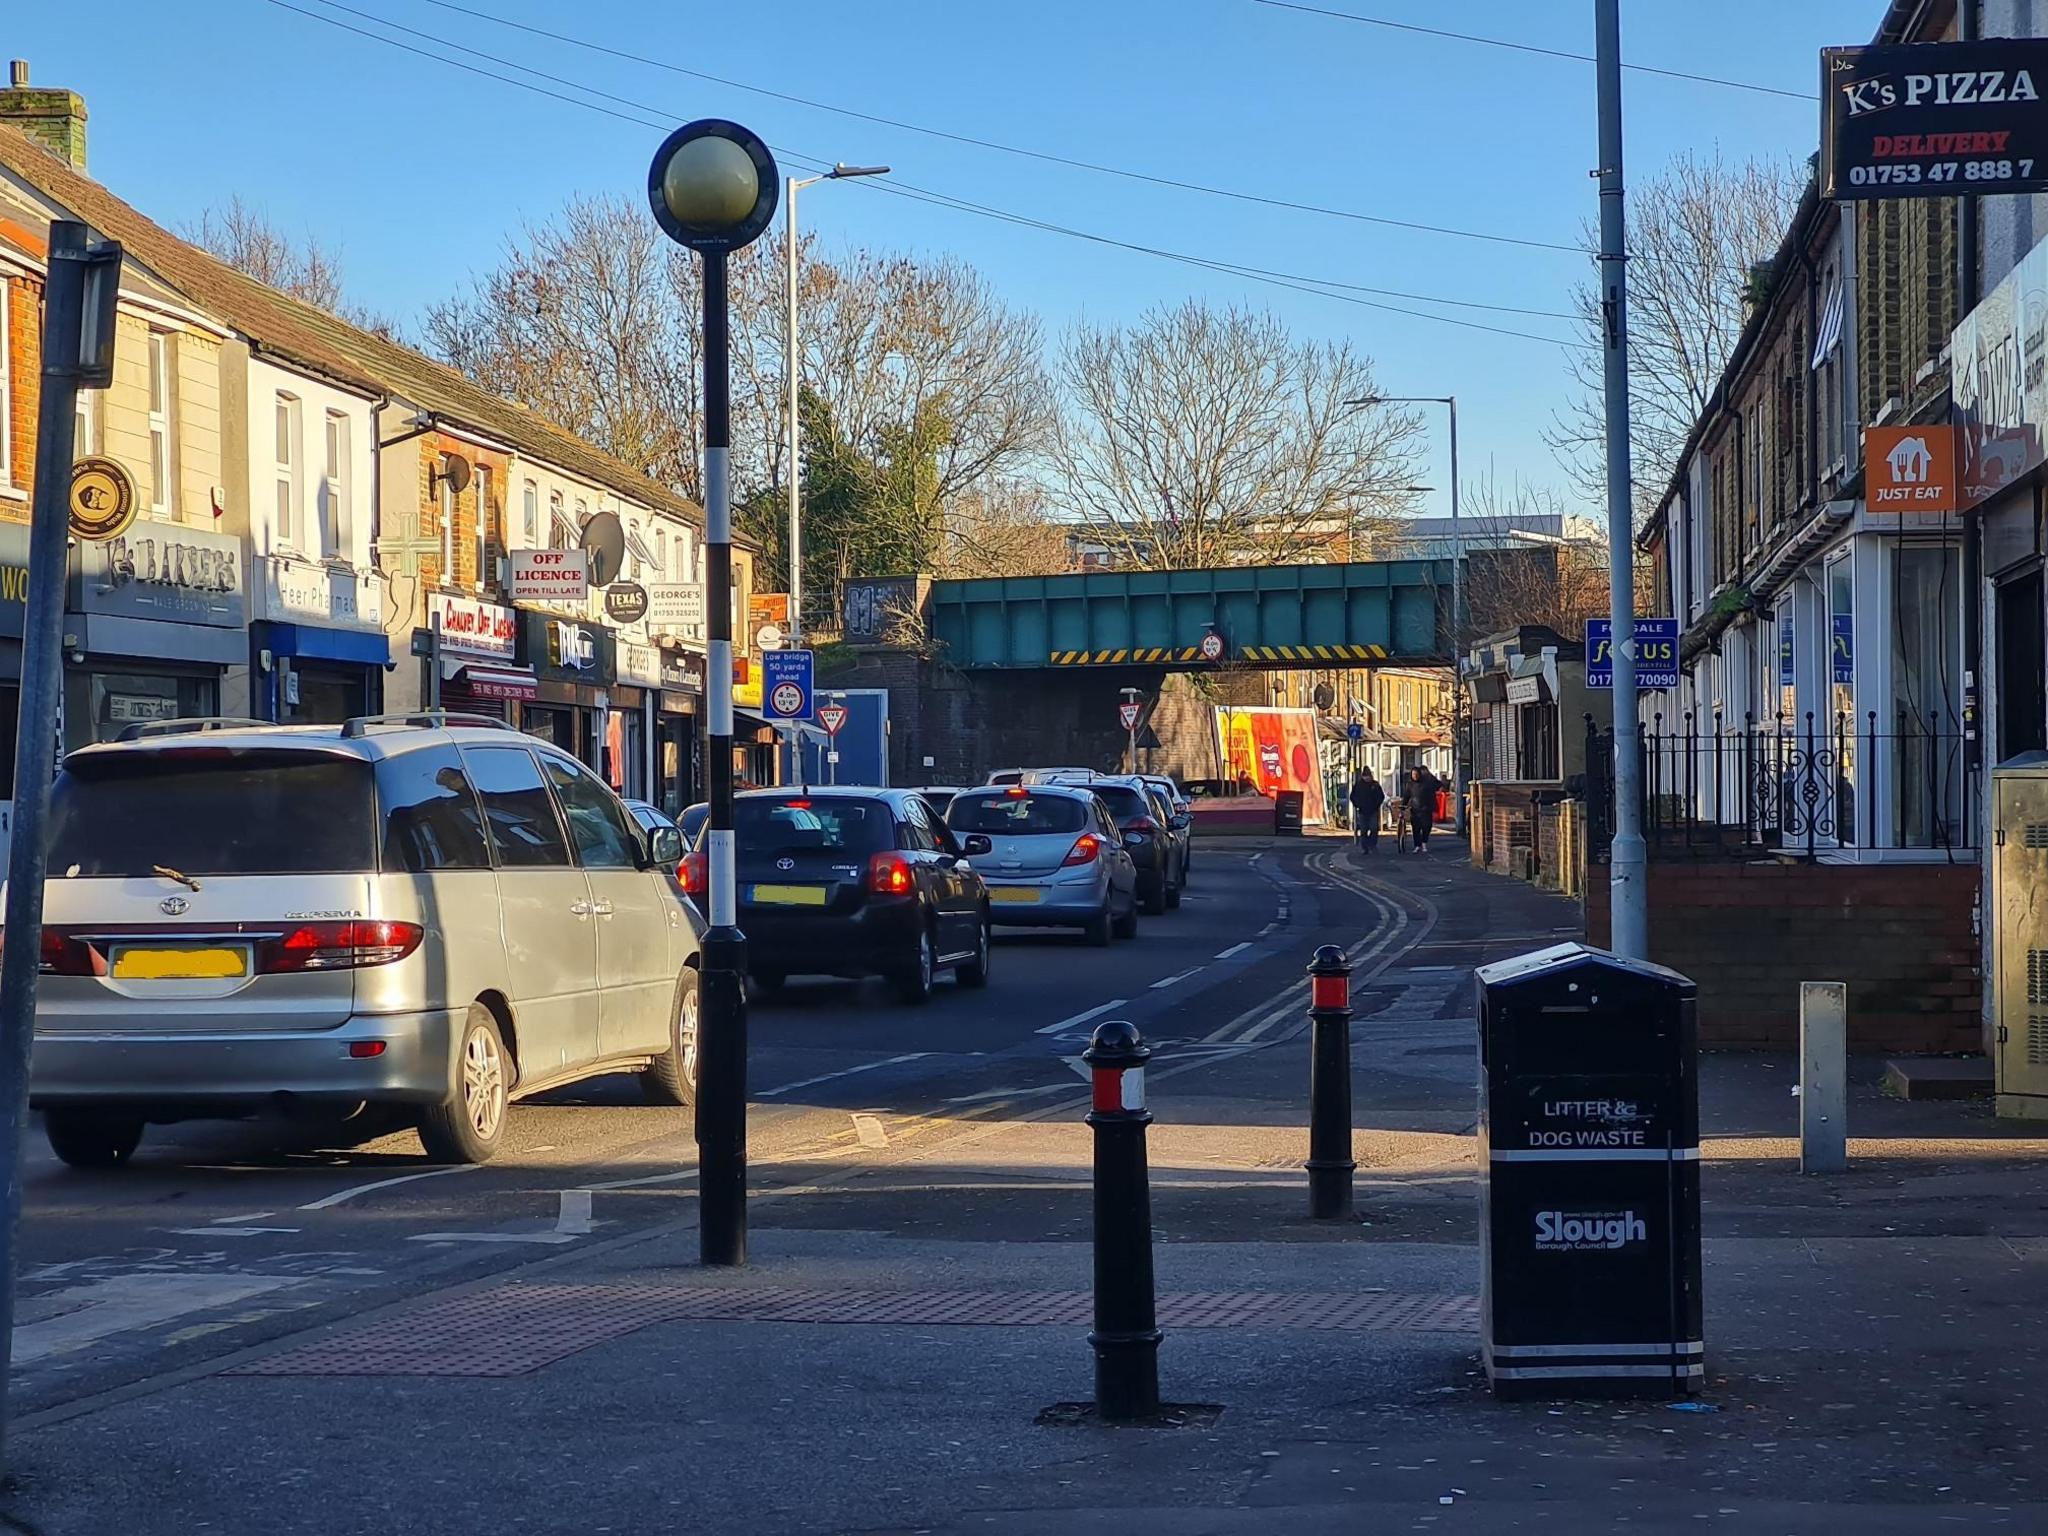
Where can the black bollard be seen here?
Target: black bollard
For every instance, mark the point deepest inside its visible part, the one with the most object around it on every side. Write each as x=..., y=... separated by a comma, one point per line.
x=1330, y=1164
x=1126, y=1334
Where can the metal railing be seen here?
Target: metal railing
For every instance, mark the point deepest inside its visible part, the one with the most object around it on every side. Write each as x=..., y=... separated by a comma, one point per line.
x=1803, y=785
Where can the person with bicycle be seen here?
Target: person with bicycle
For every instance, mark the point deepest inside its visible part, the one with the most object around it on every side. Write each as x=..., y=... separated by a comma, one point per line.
x=1367, y=797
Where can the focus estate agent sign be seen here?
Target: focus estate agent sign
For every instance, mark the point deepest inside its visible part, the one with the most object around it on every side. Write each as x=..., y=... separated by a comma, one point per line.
x=1934, y=119
x=1656, y=653
x=558, y=578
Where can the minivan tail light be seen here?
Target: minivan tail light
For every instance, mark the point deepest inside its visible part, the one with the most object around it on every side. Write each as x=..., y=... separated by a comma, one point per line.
x=694, y=874
x=1087, y=847
x=1143, y=824
x=889, y=874
x=338, y=946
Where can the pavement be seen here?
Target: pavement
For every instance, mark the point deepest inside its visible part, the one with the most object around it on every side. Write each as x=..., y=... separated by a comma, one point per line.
x=534, y=1348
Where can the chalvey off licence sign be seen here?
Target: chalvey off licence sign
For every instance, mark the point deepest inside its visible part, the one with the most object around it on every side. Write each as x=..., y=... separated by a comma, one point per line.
x=1934, y=119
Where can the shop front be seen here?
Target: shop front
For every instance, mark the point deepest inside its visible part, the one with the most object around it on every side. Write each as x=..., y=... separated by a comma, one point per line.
x=575, y=667
x=679, y=744
x=636, y=707
x=317, y=646
x=478, y=646
x=154, y=621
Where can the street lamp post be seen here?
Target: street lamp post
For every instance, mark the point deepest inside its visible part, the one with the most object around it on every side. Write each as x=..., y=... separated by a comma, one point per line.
x=789, y=368
x=712, y=186
x=1457, y=586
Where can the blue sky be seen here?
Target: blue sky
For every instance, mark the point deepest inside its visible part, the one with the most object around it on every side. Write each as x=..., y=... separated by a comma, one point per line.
x=415, y=172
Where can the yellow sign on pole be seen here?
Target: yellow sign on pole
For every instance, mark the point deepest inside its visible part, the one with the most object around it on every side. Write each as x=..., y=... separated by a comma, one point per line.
x=102, y=499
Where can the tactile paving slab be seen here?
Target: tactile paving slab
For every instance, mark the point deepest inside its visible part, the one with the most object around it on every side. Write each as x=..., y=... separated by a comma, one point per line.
x=511, y=1330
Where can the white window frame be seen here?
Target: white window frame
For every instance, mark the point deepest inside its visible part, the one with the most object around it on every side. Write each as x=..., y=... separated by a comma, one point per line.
x=447, y=531
x=336, y=445
x=6, y=390
x=480, y=477
x=558, y=517
x=287, y=427
x=163, y=468
x=660, y=554
x=530, y=514
x=86, y=435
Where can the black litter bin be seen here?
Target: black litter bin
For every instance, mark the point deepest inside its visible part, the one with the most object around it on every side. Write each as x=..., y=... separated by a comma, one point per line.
x=1287, y=811
x=1590, y=1189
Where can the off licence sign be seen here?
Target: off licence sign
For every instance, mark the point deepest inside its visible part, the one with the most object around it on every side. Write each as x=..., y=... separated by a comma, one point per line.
x=553, y=577
x=1934, y=119
x=1656, y=653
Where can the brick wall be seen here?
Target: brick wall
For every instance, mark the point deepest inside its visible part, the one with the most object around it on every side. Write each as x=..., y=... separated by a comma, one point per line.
x=1901, y=936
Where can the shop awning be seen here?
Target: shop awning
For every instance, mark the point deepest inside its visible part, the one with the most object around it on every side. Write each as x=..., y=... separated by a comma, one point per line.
x=313, y=643
x=494, y=682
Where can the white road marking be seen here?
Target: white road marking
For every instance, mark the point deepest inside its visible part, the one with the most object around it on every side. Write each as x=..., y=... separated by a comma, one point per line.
x=675, y=1176
x=1234, y=949
x=1167, y=981
x=1009, y=1093
x=1427, y=968
x=1082, y=1018
x=493, y=1237
x=826, y=1077
x=342, y=1195
x=870, y=1132
x=1080, y=1068
x=242, y=1220
x=573, y=1216
x=220, y=1231
x=121, y=1303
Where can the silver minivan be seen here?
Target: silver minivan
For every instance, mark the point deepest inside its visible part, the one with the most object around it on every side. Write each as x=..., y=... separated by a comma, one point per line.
x=430, y=911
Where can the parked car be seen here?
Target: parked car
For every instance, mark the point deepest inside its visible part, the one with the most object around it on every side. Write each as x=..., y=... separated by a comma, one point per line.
x=1182, y=819
x=1008, y=776
x=1145, y=822
x=938, y=797
x=854, y=882
x=1057, y=858
x=691, y=822
x=393, y=911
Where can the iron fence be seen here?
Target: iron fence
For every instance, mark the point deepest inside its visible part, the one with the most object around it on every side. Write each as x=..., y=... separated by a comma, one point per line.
x=1804, y=785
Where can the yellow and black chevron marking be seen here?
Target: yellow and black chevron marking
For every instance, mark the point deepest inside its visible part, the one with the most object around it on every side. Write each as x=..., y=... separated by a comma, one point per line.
x=1312, y=653
x=1155, y=654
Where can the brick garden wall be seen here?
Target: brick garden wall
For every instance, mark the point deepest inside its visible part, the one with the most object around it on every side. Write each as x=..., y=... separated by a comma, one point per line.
x=1748, y=933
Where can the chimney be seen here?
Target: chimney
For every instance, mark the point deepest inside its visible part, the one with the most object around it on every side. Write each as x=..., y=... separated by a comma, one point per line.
x=54, y=119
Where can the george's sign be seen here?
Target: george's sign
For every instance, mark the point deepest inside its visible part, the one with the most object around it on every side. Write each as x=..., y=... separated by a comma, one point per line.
x=1934, y=119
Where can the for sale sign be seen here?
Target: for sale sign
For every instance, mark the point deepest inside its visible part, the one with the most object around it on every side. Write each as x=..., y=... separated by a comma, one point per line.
x=550, y=578
x=1934, y=119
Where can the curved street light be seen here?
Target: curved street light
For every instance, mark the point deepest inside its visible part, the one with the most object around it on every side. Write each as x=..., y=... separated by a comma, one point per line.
x=713, y=187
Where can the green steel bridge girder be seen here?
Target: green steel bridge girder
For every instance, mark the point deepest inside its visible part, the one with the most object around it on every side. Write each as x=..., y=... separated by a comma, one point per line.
x=1394, y=611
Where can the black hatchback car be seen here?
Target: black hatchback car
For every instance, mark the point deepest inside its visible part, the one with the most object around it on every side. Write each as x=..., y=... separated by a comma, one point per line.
x=853, y=882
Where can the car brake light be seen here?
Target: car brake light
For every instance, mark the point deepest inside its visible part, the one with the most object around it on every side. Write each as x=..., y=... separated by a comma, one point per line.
x=1086, y=847
x=1143, y=824
x=62, y=955
x=338, y=946
x=694, y=872
x=889, y=875
x=364, y=1050
x=797, y=805
x=1016, y=791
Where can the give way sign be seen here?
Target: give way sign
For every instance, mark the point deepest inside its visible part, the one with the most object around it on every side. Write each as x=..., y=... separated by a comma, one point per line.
x=831, y=717
x=1128, y=715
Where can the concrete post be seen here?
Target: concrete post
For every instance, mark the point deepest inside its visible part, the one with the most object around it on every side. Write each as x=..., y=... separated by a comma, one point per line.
x=1823, y=1076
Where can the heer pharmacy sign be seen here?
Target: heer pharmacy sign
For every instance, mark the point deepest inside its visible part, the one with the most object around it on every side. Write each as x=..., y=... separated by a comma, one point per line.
x=1934, y=119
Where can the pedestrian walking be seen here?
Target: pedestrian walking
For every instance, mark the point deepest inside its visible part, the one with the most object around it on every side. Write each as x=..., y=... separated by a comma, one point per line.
x=1368, y=797
x=1421, y=797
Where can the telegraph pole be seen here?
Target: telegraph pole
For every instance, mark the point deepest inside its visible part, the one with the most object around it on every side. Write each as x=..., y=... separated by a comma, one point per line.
x=1628, y=858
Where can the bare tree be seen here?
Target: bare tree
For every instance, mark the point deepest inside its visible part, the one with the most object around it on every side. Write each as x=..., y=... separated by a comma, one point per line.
x=1002, y=528
x=247, y=240
x=1203, y=437
x=1524, y=574
x=1695, y=233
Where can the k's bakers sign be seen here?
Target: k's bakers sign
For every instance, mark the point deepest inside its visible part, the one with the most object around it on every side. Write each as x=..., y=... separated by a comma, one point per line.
x=1910, y=472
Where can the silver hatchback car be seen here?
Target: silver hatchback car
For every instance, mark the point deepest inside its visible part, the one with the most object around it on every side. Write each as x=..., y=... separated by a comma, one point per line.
x=428, y=911
x=1055, y=859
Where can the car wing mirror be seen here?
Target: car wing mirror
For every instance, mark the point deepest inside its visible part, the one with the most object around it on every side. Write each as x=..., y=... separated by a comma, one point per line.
x=665, y=847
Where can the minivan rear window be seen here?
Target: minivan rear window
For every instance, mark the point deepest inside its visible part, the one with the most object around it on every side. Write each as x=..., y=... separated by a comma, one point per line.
x=213, y=811
x=803, y=824
x=1017, y=815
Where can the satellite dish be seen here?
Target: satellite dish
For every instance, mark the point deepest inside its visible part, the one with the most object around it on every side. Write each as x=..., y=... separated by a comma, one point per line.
x=605, y=542
x=1326, y=696
x=453, y=472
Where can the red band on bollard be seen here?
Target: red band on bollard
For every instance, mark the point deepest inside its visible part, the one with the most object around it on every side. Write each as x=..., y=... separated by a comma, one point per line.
x=1109, y=1090
x=1329, y=992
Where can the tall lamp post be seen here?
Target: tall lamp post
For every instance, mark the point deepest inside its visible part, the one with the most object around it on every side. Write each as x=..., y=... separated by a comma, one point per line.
x=712, y=187
x=1457, y=588
x=789, y=368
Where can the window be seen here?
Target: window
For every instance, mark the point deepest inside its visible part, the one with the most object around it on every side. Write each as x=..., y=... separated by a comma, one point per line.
x=86, y=424
x=287, y=456
x=530, y=516
x=557, y=528
x=1841, y=652
x=604, y=838
x=431, y=817
x=1007, y=815
x=6, y=395
x=764, y=828
x=334, y=488
x=482, y=477
x=161, y=500
x=633, y=547
x=525, y=832
x=661, y=554
x=205, y=812
x=914, y=832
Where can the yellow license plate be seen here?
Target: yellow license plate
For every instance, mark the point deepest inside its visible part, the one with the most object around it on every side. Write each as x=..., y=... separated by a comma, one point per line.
x=179, y=964
x=790, y=895
x=1014, y=893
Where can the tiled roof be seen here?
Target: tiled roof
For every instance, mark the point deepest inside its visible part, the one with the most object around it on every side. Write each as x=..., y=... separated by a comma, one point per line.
x=296, y=332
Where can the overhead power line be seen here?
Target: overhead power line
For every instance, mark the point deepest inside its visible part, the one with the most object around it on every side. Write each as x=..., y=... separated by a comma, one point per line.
x=656, y=118
x=1046, y=156
x=1502, y=42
